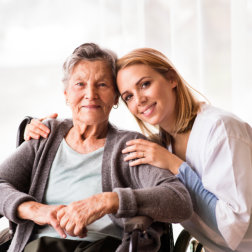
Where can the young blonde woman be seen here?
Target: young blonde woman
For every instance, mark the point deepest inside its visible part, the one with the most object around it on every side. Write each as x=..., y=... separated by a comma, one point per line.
x=209, y=150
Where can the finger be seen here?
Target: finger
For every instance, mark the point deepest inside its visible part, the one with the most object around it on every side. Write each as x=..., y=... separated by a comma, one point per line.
x=52, y=116
x=27, y=138
x=132, y=148
x=37, y=131
x=134, y=155
x=60, y=214
x=138, y=142
x=59, y=209
x=80, y=231
x=38, y=125
x=84, y=234
x=27, y=133
x=30, y=135
x=63, y=221
x=138, y=162
x=34, y=131
x=56, y=225
x=70, y=226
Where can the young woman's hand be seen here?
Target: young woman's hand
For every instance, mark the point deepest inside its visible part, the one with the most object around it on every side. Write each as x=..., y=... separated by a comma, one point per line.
x=145, y=152
x=41, y=214
x=36, y=128
x=76, y=216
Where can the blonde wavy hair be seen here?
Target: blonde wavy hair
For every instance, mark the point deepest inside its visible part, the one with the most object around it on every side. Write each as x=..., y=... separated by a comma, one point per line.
x=186, y=104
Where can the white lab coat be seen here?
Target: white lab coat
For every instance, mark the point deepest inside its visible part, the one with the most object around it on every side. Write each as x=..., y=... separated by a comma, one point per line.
x=220, y=150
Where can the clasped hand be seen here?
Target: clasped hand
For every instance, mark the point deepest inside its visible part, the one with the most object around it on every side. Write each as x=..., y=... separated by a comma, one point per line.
x=73, y=218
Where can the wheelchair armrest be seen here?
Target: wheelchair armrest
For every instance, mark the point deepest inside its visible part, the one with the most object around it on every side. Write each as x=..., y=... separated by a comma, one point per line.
x=137, y=223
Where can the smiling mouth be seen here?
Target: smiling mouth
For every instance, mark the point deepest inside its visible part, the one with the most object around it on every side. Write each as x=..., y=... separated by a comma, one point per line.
x=91, y=106
x=148, y=111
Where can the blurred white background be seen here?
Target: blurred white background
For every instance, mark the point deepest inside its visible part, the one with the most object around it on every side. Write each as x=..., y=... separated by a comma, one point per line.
x=209, y=42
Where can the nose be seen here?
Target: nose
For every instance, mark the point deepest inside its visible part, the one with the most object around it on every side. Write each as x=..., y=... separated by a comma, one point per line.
x=90, y=92
x=140, y=99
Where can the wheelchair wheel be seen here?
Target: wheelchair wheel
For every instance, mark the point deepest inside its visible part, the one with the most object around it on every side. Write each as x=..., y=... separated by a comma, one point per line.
x=186, y=243
x=182, y=241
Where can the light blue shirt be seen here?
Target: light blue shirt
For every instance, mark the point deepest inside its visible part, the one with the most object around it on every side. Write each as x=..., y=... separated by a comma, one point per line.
x=75, y=176
x=204, y=202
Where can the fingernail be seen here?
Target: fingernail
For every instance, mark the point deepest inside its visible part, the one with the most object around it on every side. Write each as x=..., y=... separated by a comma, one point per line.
x=45, y=135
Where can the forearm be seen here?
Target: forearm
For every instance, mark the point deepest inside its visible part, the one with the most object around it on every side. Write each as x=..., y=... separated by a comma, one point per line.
x=204, y=202
x=10, y=199
x=41, y=214
x=170, y=202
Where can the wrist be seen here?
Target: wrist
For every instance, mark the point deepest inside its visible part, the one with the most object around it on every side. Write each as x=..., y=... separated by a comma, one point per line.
x=176, y=163
x=112, y=201
x=26, y=210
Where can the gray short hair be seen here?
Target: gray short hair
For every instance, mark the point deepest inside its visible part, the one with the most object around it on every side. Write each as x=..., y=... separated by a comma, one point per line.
x=89, y=52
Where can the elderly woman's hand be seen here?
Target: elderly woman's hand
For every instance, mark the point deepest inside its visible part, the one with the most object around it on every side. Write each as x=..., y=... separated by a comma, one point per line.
x=41, y=214
x=35, y=129
x=76, y=216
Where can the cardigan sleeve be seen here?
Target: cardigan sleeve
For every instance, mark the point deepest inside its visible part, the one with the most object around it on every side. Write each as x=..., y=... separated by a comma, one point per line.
x=15, y=177
x=160, y=196
x=147, y=190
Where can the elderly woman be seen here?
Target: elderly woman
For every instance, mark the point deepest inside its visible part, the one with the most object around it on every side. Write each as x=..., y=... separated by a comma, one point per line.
x=65, y=186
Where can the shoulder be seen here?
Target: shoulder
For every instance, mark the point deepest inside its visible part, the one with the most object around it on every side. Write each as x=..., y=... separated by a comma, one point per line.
x=56, y=123
x=117, y=138
x=214, y=123
x=123, y=135
x=58, y=129
x=58, y=126
x=214, y=130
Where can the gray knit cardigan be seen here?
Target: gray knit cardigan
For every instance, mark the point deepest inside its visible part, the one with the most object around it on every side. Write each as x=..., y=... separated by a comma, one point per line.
x=142, y=190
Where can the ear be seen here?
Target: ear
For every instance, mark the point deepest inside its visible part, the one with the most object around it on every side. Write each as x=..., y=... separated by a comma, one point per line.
x=116, y=100
x=66, y=96
x=173, y=83
x=172, y=77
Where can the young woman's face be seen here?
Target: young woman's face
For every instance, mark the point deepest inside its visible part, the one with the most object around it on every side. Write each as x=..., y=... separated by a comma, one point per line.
x=148, y=94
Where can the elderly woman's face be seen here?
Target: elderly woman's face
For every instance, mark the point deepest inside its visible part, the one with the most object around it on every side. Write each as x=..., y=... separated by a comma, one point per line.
x=90, y=92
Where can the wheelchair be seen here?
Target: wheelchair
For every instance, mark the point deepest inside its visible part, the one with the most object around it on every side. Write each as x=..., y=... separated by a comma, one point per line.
x=138, y=225
x=135, y=227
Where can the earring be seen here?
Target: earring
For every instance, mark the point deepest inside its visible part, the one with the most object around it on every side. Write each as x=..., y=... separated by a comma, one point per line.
x=115, y=106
